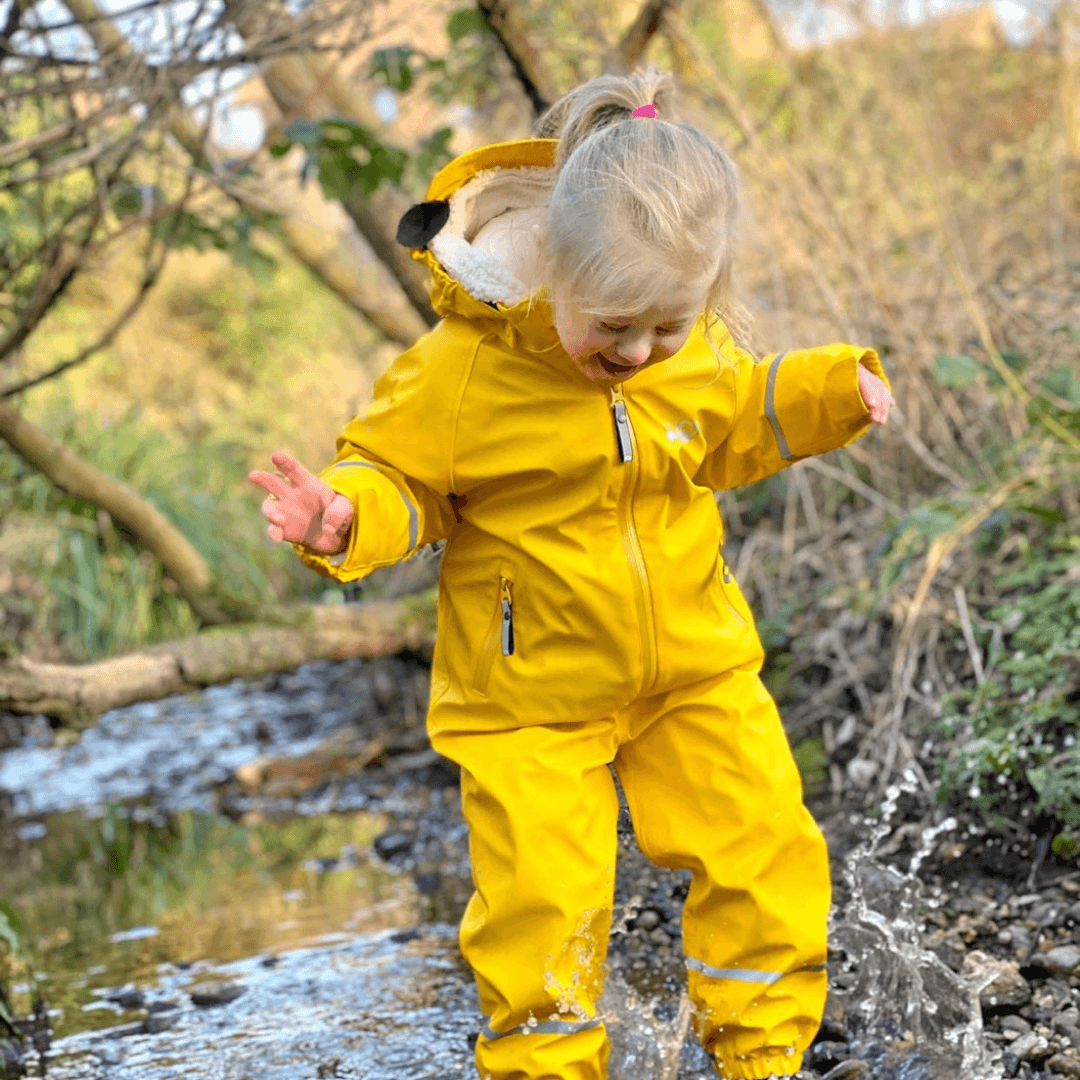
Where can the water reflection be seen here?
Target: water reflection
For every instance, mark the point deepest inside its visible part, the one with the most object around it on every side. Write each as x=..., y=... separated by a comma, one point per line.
x=109, y=900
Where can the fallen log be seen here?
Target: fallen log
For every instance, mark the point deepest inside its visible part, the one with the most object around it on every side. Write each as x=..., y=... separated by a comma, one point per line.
x=283, y=640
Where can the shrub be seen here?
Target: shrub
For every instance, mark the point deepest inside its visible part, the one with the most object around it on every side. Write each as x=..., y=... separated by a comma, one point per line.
x=1013, y=739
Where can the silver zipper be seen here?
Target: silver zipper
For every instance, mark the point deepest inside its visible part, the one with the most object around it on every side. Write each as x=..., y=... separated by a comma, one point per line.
x=622, y=431
x=507, y=624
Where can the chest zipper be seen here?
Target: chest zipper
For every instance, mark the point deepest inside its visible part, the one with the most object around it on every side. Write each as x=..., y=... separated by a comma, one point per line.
x=624, y=433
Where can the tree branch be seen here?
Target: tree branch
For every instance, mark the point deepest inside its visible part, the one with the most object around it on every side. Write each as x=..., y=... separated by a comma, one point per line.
x=291, y=637
x=504, y=20
x=77, y=477
x=642, y=30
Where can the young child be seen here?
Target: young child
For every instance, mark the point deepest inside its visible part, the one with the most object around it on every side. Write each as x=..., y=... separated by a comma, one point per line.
x=564, y=429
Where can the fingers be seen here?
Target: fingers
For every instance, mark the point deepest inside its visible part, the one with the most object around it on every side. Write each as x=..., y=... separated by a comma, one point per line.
x=293, y=469
x=339, y=514
x=271, y=482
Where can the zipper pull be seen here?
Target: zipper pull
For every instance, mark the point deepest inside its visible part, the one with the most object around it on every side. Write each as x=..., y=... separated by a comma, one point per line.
x=507, y=619
x=623, y=431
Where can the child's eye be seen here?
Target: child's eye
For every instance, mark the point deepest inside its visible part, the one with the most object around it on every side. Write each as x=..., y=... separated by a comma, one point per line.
x=613, y=329
x=667, y=331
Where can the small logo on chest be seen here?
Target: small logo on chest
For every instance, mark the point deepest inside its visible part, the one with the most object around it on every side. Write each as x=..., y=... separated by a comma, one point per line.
x=683, y=431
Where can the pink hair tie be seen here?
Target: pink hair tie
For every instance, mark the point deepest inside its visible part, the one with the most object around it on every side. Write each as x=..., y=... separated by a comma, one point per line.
x=646, y=110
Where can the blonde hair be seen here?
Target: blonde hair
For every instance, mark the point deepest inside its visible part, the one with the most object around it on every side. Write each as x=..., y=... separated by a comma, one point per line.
x=634, y=197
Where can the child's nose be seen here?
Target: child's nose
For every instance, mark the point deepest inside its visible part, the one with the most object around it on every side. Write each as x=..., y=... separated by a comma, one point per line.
x=635, y=352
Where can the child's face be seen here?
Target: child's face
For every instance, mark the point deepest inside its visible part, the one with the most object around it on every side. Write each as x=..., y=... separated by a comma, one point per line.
x=612, y=350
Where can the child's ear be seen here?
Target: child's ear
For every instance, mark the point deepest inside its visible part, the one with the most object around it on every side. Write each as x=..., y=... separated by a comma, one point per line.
x=422, y=222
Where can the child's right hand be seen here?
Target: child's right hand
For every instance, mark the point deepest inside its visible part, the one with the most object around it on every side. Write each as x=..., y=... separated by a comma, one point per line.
x=304, y=509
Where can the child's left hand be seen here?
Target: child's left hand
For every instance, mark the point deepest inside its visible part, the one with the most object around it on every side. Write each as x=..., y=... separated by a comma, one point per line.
x=876, y=395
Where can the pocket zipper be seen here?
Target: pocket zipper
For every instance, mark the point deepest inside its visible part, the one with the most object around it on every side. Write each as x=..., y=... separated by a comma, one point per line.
x=500, y=635
x=727, y=578
x=507, y=604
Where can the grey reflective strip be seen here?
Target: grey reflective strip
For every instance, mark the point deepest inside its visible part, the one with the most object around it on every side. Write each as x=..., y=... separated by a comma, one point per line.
x=546, y=1027
x=414, y=520
x=770, y=410
x=745, y=974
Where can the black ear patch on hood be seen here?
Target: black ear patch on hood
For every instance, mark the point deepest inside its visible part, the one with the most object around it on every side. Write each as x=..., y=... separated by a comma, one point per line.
x=422, y=222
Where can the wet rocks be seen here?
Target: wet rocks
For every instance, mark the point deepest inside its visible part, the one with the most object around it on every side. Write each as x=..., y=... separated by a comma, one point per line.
x=1002, y=986
x=127, y=997
x=208, y=995
x=1063, y=960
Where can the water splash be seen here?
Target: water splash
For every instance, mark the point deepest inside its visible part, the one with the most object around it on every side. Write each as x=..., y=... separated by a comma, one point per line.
x=643, y=1047
x=907, y=1012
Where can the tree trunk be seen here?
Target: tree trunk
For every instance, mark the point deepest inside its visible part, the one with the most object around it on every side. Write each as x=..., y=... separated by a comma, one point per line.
x=77, y=694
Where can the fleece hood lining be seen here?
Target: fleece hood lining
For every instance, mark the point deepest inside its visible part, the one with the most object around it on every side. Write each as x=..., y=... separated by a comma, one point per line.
x=484, y=197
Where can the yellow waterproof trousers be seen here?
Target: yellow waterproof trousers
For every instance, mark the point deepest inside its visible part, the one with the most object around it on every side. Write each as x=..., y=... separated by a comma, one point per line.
x=712, y=788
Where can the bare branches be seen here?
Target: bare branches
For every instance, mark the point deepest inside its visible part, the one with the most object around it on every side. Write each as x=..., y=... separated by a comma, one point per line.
x=85, y=103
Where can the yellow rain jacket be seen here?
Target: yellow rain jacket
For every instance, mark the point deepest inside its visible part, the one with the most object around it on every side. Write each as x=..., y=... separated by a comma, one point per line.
x=582, y=584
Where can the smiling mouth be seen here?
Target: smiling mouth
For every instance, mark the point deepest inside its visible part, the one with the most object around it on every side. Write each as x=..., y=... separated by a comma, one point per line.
x=614, y=368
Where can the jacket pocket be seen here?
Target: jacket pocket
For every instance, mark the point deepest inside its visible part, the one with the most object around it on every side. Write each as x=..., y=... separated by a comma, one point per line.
x=500, y=635
x=727, y=582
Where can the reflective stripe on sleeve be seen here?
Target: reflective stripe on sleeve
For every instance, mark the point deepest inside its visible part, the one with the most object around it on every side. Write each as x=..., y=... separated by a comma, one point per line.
x=770, y=409
x=414, y=518
x=746, y=974
x=544, y=1027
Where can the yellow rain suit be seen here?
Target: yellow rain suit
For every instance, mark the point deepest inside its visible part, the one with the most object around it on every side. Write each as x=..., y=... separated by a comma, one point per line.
x=586, y=616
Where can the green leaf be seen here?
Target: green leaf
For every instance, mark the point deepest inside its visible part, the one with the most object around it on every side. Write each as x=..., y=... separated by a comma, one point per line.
x=931, y=522
x=339, y=132
x=11, y=928
x=1044, y=513
x=281, y=147
x=1063, y=383
x=339, y=175
x=394, y=67
x=1065, y=845
x=306, y=132
x=463, y=22
x=434, y=152
x=955, y=370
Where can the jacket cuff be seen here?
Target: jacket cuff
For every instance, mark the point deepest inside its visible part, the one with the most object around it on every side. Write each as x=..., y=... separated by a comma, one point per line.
x=813, y=401
x=387, y=523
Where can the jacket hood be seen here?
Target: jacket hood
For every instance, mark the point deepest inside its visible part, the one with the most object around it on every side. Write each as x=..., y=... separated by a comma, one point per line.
x=464, y=196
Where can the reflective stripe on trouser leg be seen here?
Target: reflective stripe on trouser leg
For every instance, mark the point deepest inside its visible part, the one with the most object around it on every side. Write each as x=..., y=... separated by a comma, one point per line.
x=541, y=808
x=712, y=788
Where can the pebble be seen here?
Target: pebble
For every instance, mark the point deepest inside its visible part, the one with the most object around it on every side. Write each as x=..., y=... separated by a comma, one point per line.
x=1030, y=1047
x=209, y=994
x=1015, y=1023
x=1062, y=960
x=848, y=1070
x=1006, y=989
x=1064, y=1065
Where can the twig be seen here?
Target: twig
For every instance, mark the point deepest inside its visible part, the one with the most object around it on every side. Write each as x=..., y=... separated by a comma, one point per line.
x=855, y=484
x=969, y=635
